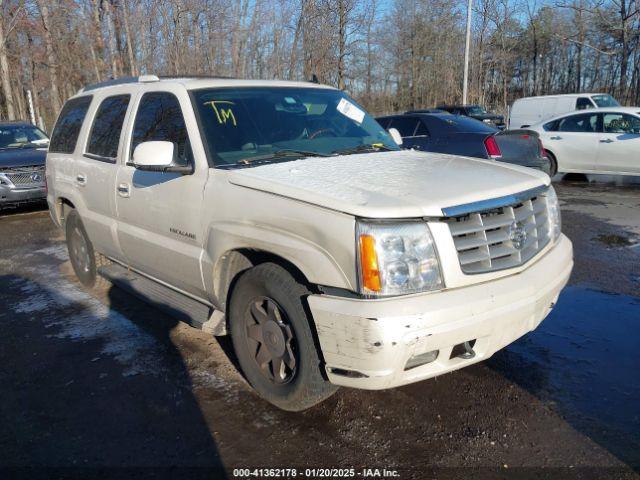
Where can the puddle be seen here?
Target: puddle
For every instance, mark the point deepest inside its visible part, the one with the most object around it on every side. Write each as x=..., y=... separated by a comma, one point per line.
x=612, y=240
x=585, y=358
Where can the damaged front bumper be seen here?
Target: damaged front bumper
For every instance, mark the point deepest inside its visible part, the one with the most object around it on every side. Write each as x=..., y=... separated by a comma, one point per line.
x=373, y=344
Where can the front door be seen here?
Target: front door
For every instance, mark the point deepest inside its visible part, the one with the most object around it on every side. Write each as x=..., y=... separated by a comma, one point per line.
x=160, y=214
x=619, y=150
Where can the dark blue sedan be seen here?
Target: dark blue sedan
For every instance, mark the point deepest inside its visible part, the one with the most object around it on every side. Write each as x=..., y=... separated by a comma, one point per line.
x=458, y=135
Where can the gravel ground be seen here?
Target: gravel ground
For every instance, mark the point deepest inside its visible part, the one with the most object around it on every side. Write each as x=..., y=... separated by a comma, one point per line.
x=99, y=384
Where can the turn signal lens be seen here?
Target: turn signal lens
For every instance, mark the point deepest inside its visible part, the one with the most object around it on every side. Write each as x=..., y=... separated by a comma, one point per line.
x=369, y=259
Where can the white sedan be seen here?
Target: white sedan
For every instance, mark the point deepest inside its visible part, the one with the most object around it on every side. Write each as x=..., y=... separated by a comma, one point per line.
x=603, y=140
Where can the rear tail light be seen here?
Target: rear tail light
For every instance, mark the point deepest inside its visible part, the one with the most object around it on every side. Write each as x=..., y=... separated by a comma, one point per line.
x=542, y=152
x=492, y=147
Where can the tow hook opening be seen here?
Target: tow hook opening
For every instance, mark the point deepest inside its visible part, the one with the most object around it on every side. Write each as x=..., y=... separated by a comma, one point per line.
x=464, y=350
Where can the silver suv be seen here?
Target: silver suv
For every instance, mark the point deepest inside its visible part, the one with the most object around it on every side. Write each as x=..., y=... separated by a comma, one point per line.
x=283, y=214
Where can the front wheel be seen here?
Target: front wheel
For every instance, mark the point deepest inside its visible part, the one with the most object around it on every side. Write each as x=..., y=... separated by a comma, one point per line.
x=273, y=340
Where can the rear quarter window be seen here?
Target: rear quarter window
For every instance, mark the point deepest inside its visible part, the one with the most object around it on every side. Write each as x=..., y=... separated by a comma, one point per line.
x=65, y=133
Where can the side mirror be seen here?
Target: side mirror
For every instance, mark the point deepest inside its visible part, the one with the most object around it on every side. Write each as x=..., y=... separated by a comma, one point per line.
x=157, y=156
x=395, y=134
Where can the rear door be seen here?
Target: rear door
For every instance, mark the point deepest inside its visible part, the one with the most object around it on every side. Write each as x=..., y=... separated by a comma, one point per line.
x=160, y=224
x=96, y=170
x=619, y=150
x=575, y=142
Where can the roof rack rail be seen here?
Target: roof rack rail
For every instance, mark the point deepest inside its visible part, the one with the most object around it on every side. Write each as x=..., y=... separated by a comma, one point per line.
x=197, y=75
x=120, y=81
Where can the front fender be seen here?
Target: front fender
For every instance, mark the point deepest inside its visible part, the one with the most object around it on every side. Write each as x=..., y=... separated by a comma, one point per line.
x=317, y=264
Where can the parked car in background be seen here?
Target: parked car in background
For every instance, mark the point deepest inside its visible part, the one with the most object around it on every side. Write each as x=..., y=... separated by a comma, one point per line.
x=474, y=111
x=283, y=213
x=459, y=135
x=23, y=149
x=606, y=140
x=531, y=110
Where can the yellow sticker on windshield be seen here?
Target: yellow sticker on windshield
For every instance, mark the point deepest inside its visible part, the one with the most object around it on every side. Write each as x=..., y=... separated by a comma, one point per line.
x=223, y=114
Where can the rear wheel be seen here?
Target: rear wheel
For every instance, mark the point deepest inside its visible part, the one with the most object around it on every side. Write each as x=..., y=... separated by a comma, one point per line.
x=273, y=341
x=553, y=167
x=84, y=260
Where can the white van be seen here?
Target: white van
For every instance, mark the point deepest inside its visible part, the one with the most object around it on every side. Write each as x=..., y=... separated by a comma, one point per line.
x=531, y=110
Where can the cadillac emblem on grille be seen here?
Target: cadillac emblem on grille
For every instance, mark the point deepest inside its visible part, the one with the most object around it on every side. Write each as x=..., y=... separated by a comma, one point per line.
x=517, y=235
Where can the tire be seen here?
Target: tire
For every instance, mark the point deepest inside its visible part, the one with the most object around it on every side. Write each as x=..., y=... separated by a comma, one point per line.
x=84, y=260
x=273, y=341
x=553, y=167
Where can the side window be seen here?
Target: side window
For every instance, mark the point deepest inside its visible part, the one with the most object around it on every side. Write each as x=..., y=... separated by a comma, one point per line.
x=551, y=126
x=422, y=130
x=621, y=123
x=107, y=126
x=65, y=133
x=587, y=123
x=160, y=117
x=384, y=122
x=583, y=103
x=405, y=125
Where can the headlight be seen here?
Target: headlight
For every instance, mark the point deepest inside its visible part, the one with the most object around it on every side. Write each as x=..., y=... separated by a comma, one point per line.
x=553, y=210
x=396, y=258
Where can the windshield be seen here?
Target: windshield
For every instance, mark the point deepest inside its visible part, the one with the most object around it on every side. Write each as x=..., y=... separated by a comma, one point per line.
x=22, y=136
x=605, y=101
x=476, y=110
x=242, y=125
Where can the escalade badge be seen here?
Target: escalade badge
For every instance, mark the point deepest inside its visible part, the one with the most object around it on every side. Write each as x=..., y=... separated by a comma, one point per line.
x=517, y=235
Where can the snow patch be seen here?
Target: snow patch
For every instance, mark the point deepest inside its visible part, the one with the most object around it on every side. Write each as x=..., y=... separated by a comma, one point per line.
x=138, y=351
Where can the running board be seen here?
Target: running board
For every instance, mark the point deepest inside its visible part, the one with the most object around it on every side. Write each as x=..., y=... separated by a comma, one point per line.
x=174, y=303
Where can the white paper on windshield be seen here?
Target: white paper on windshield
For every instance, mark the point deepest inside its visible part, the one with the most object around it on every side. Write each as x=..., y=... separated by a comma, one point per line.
x=348, y=109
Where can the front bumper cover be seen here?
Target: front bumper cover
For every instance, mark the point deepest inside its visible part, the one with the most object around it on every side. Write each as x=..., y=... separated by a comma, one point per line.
x=367, y=343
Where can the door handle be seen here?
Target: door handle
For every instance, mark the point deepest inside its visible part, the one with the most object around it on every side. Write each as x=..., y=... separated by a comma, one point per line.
x=81, y=179
x=606, y=140
x=123, y=190
x=557, y=137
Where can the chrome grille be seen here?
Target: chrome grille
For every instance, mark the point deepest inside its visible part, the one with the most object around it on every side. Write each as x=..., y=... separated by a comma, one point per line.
x=25, y=176
x=501, y=238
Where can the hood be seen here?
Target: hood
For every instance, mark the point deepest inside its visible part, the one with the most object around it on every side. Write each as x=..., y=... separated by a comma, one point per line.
x=22, y=157
x=400, y=184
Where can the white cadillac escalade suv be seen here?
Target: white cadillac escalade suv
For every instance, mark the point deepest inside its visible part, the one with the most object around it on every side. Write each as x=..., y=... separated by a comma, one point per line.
x=283, y=214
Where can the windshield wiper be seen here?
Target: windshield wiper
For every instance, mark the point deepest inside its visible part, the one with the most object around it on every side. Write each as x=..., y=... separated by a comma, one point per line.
x=278, y=154
x=375, y=147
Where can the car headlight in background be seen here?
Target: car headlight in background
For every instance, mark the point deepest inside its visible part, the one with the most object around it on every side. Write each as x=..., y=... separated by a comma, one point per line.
x=396, y=258
x=553, y=210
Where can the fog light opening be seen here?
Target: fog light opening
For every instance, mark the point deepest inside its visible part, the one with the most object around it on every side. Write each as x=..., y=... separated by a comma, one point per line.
x=347, y=373
x=421, y=359
x=464, y=350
